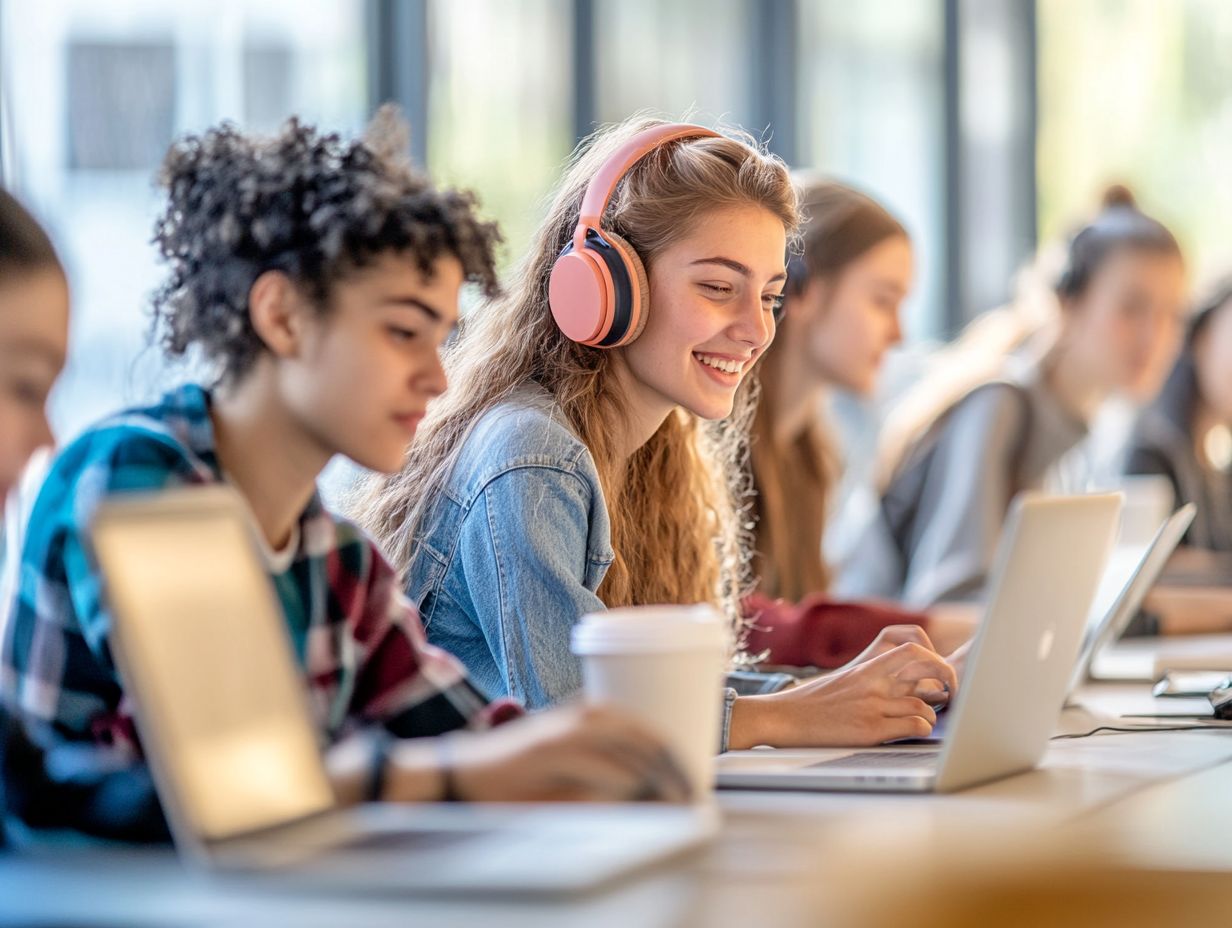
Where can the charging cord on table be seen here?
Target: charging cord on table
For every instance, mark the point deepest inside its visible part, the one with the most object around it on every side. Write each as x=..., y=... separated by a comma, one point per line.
x=1214, y=725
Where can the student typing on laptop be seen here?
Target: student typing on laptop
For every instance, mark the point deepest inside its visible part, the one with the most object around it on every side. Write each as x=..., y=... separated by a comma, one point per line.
x=590, y=453
x=319, y=279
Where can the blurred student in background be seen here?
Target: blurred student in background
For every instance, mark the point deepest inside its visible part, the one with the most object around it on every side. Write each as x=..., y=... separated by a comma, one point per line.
x=840, y=317
x=1185, y=435
x=965, y=443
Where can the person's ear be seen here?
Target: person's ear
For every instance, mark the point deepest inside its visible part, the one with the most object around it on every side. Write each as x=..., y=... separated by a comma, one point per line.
x=276, y=310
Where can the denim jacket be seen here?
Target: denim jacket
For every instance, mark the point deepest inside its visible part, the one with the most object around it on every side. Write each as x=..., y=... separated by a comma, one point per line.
x=513, y=551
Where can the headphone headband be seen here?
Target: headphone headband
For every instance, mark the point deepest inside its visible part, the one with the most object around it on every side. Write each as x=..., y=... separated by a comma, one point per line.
x=603, y=184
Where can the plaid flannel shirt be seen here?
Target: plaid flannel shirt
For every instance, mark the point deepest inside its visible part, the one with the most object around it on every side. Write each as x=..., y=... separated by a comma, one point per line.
x=360, y=644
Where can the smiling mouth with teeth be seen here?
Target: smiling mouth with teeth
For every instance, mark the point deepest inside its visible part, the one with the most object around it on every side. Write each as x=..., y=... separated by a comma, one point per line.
x=720, y=364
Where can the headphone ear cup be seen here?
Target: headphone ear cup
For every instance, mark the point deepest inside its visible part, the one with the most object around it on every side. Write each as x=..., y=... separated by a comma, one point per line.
x=639, y=286
x=578, y=296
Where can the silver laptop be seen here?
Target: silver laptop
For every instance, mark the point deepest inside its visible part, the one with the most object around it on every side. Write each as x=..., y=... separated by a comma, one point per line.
x=1133, y=577
x=1048, y=566
x=204, y=652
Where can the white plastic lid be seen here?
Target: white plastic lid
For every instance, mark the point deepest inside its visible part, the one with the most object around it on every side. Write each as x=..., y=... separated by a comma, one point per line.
x=641, y=629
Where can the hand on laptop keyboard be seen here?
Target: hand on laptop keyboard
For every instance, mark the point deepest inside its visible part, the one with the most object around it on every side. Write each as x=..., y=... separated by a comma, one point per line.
x=890, y=638
x=873, y=702
x=936, y=693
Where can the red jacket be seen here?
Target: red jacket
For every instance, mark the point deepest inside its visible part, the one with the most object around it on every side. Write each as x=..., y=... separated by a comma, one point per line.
x=819, y=631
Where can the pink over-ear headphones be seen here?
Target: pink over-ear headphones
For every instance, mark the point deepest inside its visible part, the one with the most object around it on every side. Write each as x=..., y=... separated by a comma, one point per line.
x=598, y=290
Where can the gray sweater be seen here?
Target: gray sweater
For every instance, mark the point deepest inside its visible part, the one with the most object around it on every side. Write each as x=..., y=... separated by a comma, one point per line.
x=935, y=533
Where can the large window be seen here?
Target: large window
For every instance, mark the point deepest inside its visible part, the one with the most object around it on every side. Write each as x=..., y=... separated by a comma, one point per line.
x=930, y=105
x=94, y=92
x=870, y=110
x=674, y=59
x=499, y=104
x=1139, y=92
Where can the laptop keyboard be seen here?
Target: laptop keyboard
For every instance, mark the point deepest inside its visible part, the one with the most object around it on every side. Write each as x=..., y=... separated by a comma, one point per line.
x=892, y=759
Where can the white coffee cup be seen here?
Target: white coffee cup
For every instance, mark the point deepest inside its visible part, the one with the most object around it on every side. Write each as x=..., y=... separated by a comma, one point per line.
x=663, y=665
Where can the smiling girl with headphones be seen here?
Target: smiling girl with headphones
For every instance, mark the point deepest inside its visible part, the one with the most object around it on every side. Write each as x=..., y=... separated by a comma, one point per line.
x=589, y=453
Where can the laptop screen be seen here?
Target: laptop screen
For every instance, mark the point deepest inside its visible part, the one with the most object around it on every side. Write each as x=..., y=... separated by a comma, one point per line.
x=204, y=652
x=1130, y=575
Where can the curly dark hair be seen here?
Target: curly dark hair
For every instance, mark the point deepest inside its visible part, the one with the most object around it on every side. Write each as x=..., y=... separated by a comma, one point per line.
x=311, y=205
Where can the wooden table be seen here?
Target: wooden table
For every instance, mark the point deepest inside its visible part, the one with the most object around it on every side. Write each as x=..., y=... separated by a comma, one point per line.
x=1135, y=808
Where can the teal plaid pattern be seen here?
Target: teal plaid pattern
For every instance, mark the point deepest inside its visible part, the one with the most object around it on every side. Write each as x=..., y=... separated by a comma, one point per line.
x=360, y=644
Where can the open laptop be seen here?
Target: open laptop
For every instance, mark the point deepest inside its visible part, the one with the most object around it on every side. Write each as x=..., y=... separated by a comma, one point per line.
x=1131, y=574
x=205, y=655
x=1048, y=566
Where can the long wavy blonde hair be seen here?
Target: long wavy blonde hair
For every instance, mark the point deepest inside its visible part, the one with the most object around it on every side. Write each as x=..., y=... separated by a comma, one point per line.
x=678, y=506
